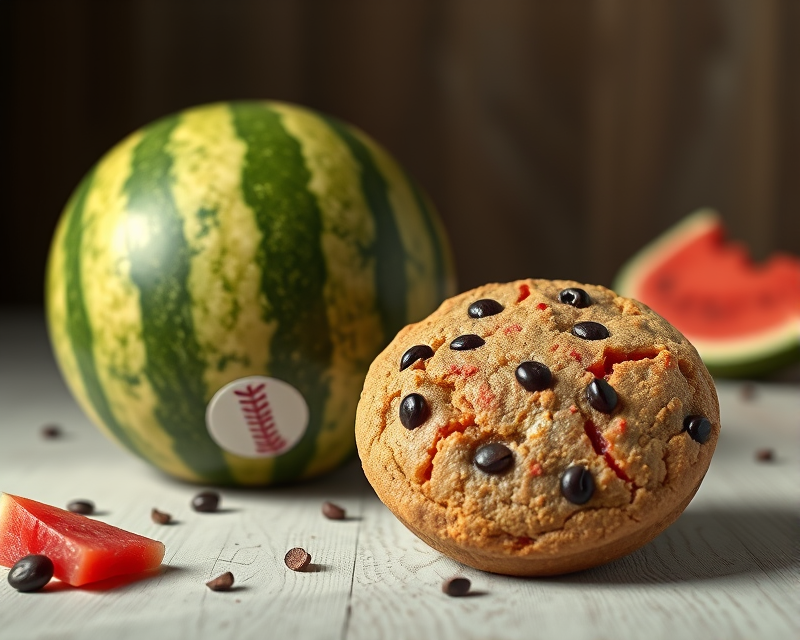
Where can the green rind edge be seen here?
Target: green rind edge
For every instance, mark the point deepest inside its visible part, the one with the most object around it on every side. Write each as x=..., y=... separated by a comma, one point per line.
x=774, y=355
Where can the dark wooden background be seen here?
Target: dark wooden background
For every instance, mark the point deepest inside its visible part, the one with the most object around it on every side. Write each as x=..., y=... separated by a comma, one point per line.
x=555, y=137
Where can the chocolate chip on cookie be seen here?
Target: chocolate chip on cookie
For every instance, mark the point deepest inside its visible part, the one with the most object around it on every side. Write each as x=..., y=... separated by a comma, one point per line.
x=575, y=296
x=414, y=411
x=698, y=427
x=601, y=395
x=534, y=376
x=484, y=308
x=590, y=331
x=467, y=342
x=577, y=484
x=571, y=431
x=494, y=458
x=417, y=352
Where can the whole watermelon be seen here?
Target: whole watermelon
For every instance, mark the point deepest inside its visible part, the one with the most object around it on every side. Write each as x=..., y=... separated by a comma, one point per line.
x=230, y=241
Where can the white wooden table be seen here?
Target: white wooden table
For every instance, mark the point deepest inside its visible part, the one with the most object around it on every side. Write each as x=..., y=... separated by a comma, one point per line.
x=728, y=568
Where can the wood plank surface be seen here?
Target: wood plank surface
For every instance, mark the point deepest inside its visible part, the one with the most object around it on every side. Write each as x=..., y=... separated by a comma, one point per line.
x=728, y=568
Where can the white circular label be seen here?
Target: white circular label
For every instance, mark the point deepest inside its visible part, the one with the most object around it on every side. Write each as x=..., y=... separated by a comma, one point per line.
x=257, y=417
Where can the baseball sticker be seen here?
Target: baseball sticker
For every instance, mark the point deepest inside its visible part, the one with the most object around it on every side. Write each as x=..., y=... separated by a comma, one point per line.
x=257, y=417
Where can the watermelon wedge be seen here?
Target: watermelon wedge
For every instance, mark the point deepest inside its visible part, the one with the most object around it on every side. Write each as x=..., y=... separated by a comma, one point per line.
x=82, y=550
x=743, y=318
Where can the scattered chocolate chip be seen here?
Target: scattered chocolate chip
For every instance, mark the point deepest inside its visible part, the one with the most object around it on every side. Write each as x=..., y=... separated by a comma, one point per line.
x=590, y=331
x=413, y=411
x=332, y=511
x=748, y=391
x=84, y=507
x=467, y=342
x=456, y=587
x=31, y=573
x=159, y=517
x=575, y=297
x=765, y=455
x=297, y=559
x=51, y=432
x=494, y=457
x=534, y=376
x=484, y=308
x=577, y=484
x=601, y=395
x=698, y=427
x=206, y=501
x=221, y=583
x=418, y=352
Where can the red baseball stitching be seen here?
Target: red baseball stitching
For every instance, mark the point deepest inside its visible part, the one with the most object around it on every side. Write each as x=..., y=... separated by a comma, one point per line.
x=258, y=416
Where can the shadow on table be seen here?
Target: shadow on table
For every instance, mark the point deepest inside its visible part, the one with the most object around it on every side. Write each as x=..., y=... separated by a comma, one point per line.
x=346, y=482
x=708, y=544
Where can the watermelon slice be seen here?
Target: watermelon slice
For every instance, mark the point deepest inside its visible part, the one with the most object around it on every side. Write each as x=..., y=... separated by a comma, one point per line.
x=82, y=550
x=743, y=318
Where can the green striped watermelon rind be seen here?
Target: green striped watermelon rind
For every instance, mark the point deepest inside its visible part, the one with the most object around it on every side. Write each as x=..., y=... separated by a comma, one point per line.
x=740, y=358
x=379, y=217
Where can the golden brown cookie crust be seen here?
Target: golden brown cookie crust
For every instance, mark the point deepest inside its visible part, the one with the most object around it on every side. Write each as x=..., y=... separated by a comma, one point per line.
x=645, y=466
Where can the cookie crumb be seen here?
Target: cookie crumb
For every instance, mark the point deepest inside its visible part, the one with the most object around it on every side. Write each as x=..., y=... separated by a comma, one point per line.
x=221, y=583
x=159, y=517
x=748, y=392
x=83, y=507
x=297, y=559
x=456, y=587
x=206, y=502
x=765, y=455
x=51, y=432
x=332, y=511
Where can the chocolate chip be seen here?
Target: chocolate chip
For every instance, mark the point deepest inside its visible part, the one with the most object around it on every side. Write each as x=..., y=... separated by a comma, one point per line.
x=467, y=342
x=332, y=511
x=297, y=559
x=534, y=376
x=765, y=455
x=456, y=587
x=748, y=391
x=484, y=308
x=206, y=501
x=494, y=457
x=575, y=297
x=418, y=352
x=159, y=517
x=413, y=411
x=577, y=484
x=84, y=507
x=31, y=573
x=590, y=331
x=698, y=427
x=51, y=432
x=221, y=583
x=601, y=395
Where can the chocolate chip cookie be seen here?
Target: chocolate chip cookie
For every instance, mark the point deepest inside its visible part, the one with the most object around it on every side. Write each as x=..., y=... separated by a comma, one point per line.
x=537, y=427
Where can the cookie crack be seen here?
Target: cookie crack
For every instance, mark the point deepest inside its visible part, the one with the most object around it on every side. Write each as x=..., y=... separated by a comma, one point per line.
x=521, y=542
x=384, y=417
x=612, y=356
x=602, y=448
x=456, y=425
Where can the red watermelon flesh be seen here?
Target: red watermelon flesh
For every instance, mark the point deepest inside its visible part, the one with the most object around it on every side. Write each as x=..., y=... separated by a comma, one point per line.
x=83, y=550
x=711, y=289
x=743, y=317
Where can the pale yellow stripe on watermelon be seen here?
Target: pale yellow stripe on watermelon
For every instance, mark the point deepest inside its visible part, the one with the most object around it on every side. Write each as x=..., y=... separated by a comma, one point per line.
x=56, y=295
x=348, y=233
x=112, y=303
x=414, y=234
x=224, y=278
